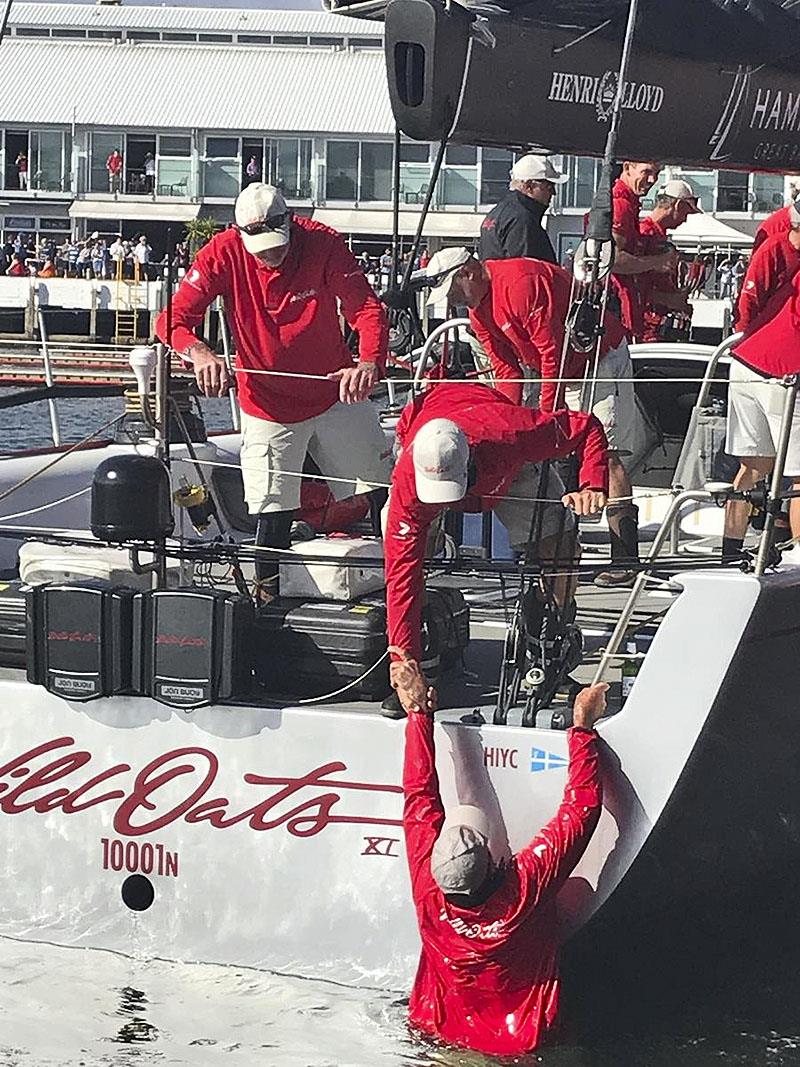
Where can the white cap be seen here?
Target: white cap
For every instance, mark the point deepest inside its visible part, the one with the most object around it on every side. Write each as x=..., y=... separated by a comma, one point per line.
x=794, y=212
x=442, y=269
x=536, y=169
x=259, y=204
x=441, y=462
x=678, y=189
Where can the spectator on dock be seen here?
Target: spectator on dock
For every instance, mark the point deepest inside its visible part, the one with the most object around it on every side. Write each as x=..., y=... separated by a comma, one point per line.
x=143, y=254
x=149, y=168
x=286, y=280
x=114, y=168
x=488, y=975
x=21, y=163
x=84, y=264
x=48, y=270
x=253, y=171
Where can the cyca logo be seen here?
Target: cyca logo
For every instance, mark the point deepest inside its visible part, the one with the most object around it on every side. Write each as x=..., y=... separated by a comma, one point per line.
x=546, y=761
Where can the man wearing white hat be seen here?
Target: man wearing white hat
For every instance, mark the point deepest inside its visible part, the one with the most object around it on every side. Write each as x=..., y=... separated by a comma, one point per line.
x=467, y=447
x=660, y=292
x=284, y=280
x=488, y=972
x=514, y=226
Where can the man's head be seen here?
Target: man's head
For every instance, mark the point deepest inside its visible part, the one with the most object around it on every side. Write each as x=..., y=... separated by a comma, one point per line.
x=457, y=276
x=461, y=862
x=264, y=223
x=441, y=462
x=640, y=177
x=536, y=177
x=675, y=203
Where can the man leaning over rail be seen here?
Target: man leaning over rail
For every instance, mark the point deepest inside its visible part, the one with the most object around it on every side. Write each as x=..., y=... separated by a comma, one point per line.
x=518, y=308
x=466, y=446
x=488, y=972
x=284, y=278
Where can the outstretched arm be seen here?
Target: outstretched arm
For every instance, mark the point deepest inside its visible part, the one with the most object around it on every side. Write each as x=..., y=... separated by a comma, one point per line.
x=553, y=853
x=423, y=813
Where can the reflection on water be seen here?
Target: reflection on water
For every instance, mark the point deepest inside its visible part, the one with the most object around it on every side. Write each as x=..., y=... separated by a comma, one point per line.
x=29, y=426
x=80, y=1008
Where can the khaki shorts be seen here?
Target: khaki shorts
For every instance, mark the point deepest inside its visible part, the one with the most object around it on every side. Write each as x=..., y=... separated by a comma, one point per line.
x=755, y=413
x=517, y=515
x=614, y=400
x=346, y=442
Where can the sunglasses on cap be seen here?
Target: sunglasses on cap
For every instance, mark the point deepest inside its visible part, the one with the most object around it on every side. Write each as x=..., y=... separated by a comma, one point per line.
x=267, y=225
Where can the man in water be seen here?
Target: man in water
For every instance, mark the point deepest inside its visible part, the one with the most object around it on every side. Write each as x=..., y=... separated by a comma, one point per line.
x=488, y=976
x=466, y=446
x=286, y=280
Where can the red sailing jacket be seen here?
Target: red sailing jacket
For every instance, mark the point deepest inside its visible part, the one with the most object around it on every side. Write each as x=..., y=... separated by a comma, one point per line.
x=626, y=205
x=285, y=319
x=520, y=322
x=778, y=222
x=488, y=976
x=653, y=236
x=504, y=436
x=773, y=348
x=766, y=284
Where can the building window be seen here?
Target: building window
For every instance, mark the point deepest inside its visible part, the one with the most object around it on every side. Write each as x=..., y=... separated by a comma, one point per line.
x=376, y=170
x=290, y=166
x=732, y=191
x=327, y=42
x=50, y=162
x=768, y=192
x=173, y=165
x=459, y=181
x=143, y=35
x=284, y=38
x=366, y=42
x=223, y=167
x=61, y=31
x=105, y=35
x=216, y=38
x=583, y=175
x=703, y=182
x=415, y=172
x=169, y=36
x=341, y=174
x=254, y=38
x=103, y=144
x=32, y=31
x=495, y=165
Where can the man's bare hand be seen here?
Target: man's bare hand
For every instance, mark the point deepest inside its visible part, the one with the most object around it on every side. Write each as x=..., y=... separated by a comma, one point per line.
x=210, y=371
x=412, y=688
x=356, y=382
x=585, y=502
x=590, y=705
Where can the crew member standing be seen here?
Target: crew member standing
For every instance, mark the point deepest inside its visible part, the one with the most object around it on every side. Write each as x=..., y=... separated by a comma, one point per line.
x=284, y=279
x=518, y=308
x=514, y=227
x=488, y=976
x=769, y=316
x=630, y=259
x=661, y=295
x=466, y=446
x=778, y=222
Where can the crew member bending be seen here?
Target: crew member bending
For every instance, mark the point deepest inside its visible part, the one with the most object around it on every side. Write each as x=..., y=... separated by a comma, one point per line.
x=466, y=446
x=518, y=308
x=284, y=279
x=488, y=973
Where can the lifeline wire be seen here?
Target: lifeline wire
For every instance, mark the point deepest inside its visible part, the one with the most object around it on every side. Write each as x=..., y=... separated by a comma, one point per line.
x=44, y=507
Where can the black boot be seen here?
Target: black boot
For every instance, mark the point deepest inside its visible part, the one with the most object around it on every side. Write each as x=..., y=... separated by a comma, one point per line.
x=272, y=531
x=623, y=527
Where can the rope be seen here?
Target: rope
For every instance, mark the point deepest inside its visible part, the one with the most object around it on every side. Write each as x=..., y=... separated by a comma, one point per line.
x=511, y=381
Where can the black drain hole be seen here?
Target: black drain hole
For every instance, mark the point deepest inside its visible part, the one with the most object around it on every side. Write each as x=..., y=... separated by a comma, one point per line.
x=137, y=892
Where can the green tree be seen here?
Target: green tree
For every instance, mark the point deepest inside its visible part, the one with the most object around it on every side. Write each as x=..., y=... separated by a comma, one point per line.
x=200, y=232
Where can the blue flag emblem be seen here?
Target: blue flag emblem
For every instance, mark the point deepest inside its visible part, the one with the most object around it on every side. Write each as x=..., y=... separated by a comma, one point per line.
x=546, y=761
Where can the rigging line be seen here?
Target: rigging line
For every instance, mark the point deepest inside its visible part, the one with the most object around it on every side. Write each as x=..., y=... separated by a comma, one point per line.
x=583, y=37
x=44, y=507
x=62, y=455
x=512, y=381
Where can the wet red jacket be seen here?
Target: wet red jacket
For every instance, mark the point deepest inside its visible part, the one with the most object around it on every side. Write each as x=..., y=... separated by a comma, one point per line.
x=285, y=319
x=778, y=222
x=488, y=976
x=520, y=323
x=504, y=436
x=773, y=348
x=766, y=284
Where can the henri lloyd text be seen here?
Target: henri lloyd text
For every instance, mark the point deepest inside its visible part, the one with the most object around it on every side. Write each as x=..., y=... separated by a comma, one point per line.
x=599, y=91
x=180, y=785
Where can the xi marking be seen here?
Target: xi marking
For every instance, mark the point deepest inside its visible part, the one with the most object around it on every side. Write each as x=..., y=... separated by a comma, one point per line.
x=380, y=846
